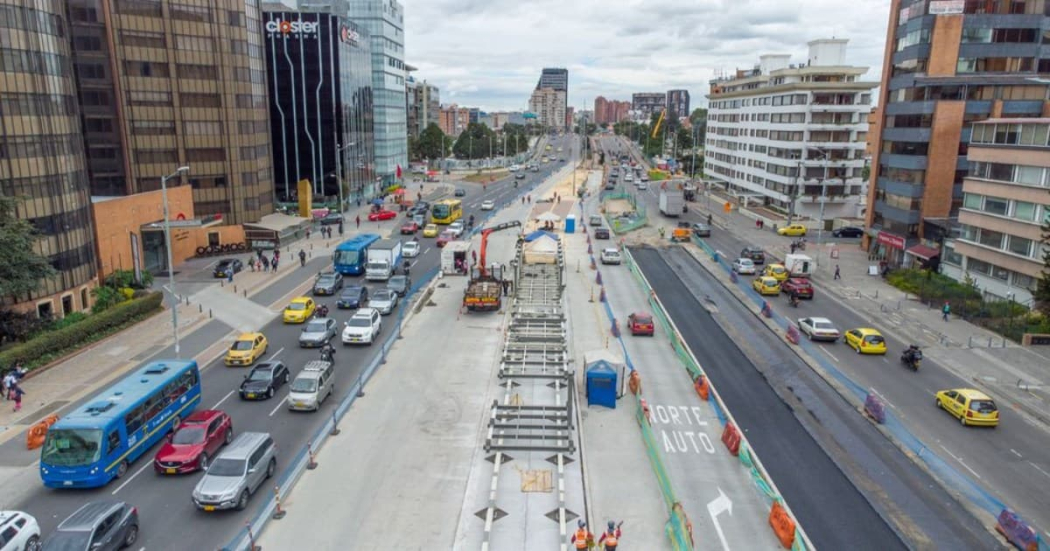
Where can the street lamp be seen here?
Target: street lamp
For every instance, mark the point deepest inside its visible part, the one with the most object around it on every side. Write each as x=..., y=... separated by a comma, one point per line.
x=167, y=244
x=339, y=171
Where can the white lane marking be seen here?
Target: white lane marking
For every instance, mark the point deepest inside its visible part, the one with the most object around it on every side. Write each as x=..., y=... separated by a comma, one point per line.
x=884, y=399
x=1039, y=468
x=278, y=406
x=1015, y=452
x=274, y=355
x=132, y=477
x=219, y=403
x=885, y=360
x=825, y=349
x=426, y=250
x=963, y=463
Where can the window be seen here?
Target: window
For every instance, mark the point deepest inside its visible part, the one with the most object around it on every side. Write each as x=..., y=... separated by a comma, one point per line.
x=153, y=128
x=90, y=71
x=149, y=98
x=1031, y=175
x=978, y=266
x=202, y=128
x=972, y=201
x=146, y=69
x=1024, y=281
x=142, y=39
x=156, y=156
x=204, y=72
x=194, y=43
x=999, y=171
x=995, y=205
x=185, y=12
x=87, y=43
x=952, y=257
x=1024, y=211
x=990, y=238
x=148, y=8
x=1019, y=245
x=98, y=125
x=205, y=155
x=200, y=100
x=113, y=442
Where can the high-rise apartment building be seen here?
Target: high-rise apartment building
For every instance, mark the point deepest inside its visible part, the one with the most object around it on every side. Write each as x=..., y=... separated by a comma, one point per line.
x=556, y=79
x=166, y=84
x=947, y=65
x=385, y=22
x=647, y=103
x=319, y=74
x=792, y=137
x=569, y=116
x=454, y=119
x=610, y=111
x=42, y=152
x=424, y=106
x=677, y=104
x=548, y=105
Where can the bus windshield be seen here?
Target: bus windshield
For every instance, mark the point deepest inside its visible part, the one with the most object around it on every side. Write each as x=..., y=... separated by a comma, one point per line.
x=72, y=447
x=441, y=211
x=346, y=257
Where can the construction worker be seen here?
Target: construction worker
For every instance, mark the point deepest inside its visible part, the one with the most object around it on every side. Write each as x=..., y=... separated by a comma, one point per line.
x=611, y=537
x=582, y=538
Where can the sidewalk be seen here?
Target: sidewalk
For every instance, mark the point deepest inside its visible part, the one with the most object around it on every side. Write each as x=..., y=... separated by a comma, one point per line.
x=53, y=387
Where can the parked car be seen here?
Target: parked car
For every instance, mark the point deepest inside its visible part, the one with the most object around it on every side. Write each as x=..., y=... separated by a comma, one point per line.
x=384, y=300
x=363, y=327
x=445, y=237
x=317, y=332
x=744, y=266
x=756, y=254
x=399, y=284
x=800, y=285
x=97, y=526
x=848, y=231
x=641, y=323
x=263, y=380
x=460, y=192
x=299, y=310
x=18, y=531
x=246, y=349
x=611, y=256
x=331, y=219
x=237, y=473
x=328, y=283
x=410, y=249
x=701, y=230
x=971, y=407
x=353, y=296
x=792, y=230
x=197, y=438
x=488, y=204
x=381, y=214
x=409, y=228
x=766, y=285
x=866, y=341
x=226, y=265
x=818, y=329
x=601, y=233
x=430, y=230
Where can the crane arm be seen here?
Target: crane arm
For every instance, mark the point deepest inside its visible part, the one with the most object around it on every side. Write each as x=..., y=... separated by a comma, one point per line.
x=659, y=121
x=485, y=241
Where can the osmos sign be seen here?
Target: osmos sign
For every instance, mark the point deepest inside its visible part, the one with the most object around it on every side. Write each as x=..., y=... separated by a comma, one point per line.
x=291, y=27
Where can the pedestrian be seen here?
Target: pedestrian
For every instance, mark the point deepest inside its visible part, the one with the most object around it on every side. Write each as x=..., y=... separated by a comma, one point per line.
x=611, y=537
x=523, y=200
x=229, y=275
x=277, y=254
x=258, y=265
x=302, y=257
x=793, y=247
x=6, y=384
x=758, y=223
x=274, y=265
x=710, y=218
x=308, y=233
x=340, y=228
x=358, y=221
x=582, y=538
x=359, y=200
x=837, y=274
x=503, y=284
x=265, y=264
x=16, y=393
x=947, y=309
x=251, y=264
x=528, y=199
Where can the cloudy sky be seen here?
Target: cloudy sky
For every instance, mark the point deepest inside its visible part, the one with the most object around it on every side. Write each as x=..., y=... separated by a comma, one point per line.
x=489, y=53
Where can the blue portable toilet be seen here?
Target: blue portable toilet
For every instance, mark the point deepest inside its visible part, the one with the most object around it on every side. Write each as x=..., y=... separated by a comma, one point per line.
x=601, y=384
x=570, y=223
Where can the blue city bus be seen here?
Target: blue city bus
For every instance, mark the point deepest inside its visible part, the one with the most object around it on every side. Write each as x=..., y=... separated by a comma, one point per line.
x=351, y=255
x=96, y=442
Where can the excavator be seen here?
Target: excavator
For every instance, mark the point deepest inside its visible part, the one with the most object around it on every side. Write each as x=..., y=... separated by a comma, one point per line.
x=485, y=290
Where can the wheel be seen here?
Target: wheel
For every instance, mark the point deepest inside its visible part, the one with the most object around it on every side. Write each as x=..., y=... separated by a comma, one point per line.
x=122, y=469
x=132, y=536
x=229, y=436
x=242, y=501
x=857, y=348
x=33, y=544
x=962, y=420
x=286, y=376
x=201, y=251
x=269, y=393
x=270, y=468
x=937, y=402
x=810, y=335
x=203, y=462
x=175, y=421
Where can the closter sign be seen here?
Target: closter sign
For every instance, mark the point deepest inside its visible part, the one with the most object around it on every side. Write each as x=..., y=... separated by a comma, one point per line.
x=291, y=28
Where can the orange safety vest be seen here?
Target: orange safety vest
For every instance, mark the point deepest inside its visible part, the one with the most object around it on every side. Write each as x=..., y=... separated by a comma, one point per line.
x=581, y=539
x=610, y=539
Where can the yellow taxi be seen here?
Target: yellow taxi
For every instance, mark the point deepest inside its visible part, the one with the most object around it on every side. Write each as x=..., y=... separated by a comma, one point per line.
x=766, y=285
x=972, y=407
x=430, y=230
x=246, y=349
x=299, y=310
x=776, y=271
x=866, y=341
x=793, y=230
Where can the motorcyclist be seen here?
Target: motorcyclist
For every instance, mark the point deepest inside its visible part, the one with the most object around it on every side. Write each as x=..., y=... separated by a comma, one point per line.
x=322, y=312
x=328, y=352
x=470, y=221
x=302, y=257
x=912, y=354
x=794, y=297
x=406, y=266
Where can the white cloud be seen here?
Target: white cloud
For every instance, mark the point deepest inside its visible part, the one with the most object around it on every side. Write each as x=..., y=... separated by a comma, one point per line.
x=489, y=53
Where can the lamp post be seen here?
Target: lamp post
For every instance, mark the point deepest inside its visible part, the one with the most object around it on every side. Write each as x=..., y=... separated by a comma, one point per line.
x=167, y=245
x=339, y=172
x=823, y=200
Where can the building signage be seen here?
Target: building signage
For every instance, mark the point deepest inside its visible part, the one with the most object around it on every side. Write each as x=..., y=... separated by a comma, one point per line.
x=294, y=28
x=890, y=240
x=946, y=7
x=348, y=35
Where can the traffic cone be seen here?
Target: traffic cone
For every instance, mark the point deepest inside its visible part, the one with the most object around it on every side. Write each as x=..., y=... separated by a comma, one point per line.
x=598, y=278
x=278, y=513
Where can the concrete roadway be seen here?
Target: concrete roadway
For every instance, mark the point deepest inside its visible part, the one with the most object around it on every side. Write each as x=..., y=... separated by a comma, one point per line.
x=1012, y=461
x=167, y=516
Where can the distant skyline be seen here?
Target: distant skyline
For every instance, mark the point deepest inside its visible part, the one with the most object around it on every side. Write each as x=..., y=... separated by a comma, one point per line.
x=489, y=53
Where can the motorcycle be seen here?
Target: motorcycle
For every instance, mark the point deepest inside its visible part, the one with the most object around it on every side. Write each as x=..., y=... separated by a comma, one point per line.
x=322, y=312
x=912, y=357
x=794, y=300
x=327, y=354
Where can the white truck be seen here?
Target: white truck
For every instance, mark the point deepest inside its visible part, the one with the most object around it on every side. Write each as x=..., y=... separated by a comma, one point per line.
x=671, y=203
x=450, y=253
x=798, y=265
x=384, y=256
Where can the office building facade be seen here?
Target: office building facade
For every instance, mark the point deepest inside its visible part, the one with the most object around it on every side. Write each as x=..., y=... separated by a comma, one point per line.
x=454, y=119
x=385, y=22
x=164, y=85
x=42, y=153
x=677, y=104
x=947, y=65
x=647, y=103
x=792, y=137
x=319, y=74
x=556, y=79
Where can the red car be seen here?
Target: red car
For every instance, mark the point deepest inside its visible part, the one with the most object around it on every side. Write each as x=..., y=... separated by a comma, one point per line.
x=381, y=214
x=799, y=284
x=641, y=323
x=194, y=443
x=409, y=228
x=445, y=237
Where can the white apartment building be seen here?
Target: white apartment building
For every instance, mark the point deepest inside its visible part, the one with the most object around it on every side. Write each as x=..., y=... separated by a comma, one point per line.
x=792, y=136
x=549, y=106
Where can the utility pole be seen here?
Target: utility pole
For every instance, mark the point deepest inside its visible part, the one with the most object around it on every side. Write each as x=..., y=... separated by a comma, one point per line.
x=794, y=196
x=167, y=244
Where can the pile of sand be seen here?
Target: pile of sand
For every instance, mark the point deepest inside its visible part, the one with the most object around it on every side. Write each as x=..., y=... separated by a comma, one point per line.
x=616, y=207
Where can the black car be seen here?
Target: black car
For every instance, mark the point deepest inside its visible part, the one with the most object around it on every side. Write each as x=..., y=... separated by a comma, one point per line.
x=263, y=381
x=399, y=284
x=756, y=254
x=460, y=192
x=601, y=233
x=354, y=296
x=223, y=268
x=98, y=526
x=331, y=218
x=328, y=283
x=848, y=231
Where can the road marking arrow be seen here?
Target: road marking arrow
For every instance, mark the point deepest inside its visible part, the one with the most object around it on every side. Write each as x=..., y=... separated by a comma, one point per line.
x=714, y=508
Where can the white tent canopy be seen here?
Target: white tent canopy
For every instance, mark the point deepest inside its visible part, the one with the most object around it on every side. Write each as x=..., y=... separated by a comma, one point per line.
x=548, y=217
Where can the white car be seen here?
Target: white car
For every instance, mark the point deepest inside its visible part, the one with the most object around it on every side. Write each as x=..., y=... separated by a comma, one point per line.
x=514, y=168
x=488, y=204
x=18, y=531
x=363, y=327
x=410, y=249
x=644, y=177
x=628, y=178
x=818, y=329
x=642, y=185
x=456, y=228
x=383, y=300
x=743, y=266
x=611, y=256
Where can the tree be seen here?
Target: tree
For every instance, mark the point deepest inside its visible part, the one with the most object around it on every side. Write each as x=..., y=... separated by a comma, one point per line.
x=684, y=137
x=473, y=143
x=21, y=268
x=429, y=144
x=1042, y=289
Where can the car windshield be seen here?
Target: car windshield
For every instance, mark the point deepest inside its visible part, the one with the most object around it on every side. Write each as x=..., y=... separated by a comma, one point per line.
x=71, y=447
x=382, y=294
x=77, y=540
x=260, y=375
x=822, y=325
x=304, y=385
x=745, y=262
x=242, y=345
x=188, y=435
x=359, y=322
x=410, y=246
x=326, y=280
x=223, y=264
x=398, y=281
x=346, y=257
x=297, y=306
x=315, y=327
x=874, y=339
x=227, y=467
x=351, y=292
x=447, y=235
x=983, y=406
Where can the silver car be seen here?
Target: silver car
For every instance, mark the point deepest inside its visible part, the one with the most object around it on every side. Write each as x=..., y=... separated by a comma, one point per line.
x=456, y=228
x=317, y=332
x=237, y=473
x=410, y=249
x=384, y=300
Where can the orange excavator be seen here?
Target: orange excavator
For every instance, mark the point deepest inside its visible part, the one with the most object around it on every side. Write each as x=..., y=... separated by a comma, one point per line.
x=485, y=289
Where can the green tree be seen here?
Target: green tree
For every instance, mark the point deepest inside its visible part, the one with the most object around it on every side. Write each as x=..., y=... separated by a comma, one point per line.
x=684, y=137
x=21, y=268
x=1042, y=289
x=430, y=141
x=473, y=143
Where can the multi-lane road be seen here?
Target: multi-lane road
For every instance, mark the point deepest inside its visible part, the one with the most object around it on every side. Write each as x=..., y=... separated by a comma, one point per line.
x=168, y=518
